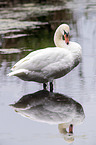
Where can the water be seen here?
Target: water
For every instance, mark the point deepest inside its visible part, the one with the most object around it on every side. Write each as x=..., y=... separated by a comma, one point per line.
x=16, y=42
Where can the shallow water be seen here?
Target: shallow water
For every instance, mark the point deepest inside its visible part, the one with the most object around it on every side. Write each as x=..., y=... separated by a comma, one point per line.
x=80, y=84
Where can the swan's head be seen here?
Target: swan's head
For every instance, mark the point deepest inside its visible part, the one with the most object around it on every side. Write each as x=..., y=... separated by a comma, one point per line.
x=68, y=136
x=62, y=30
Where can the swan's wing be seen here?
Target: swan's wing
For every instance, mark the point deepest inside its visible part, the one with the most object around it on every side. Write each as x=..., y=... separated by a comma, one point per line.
x=41, y=59
x=64, y=63
x=25, y=59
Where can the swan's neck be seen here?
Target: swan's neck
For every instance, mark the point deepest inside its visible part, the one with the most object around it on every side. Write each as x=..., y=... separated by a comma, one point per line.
x=62, y=129
x=58, y=39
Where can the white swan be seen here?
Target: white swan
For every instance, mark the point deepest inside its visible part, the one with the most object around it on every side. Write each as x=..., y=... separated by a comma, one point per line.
x=50, y=63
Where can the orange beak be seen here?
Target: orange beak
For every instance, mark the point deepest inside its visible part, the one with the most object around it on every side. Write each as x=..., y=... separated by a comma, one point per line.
x=66, y=36
x=71, y=128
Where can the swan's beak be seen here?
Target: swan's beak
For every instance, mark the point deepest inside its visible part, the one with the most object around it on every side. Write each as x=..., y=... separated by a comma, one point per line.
x=71, y=128
x=66, y=36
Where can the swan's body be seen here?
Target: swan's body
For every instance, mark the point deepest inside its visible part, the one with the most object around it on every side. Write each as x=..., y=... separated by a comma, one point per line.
x=50, y=63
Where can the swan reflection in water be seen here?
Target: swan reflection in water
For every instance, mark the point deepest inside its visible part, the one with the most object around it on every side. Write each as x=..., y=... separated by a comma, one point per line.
x=52, y=108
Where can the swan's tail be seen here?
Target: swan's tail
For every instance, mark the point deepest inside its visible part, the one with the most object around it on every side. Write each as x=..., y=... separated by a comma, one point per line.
x=18, y=72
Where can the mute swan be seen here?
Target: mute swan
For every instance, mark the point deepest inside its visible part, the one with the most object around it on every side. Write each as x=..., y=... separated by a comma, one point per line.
x=51, y=108
x=50, y=63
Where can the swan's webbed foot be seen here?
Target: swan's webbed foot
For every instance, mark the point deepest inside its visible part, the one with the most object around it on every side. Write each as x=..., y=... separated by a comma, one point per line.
x=44, y=86
x=51, y=87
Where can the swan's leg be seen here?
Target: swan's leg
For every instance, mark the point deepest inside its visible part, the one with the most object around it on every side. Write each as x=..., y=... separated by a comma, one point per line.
x=51, y=87
x=44, y=86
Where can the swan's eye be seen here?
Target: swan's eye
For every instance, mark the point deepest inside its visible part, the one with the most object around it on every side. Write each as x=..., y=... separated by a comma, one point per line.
x=65, y=33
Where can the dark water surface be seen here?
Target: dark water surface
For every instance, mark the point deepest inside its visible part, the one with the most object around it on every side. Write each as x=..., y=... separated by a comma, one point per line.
x=29, y=27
